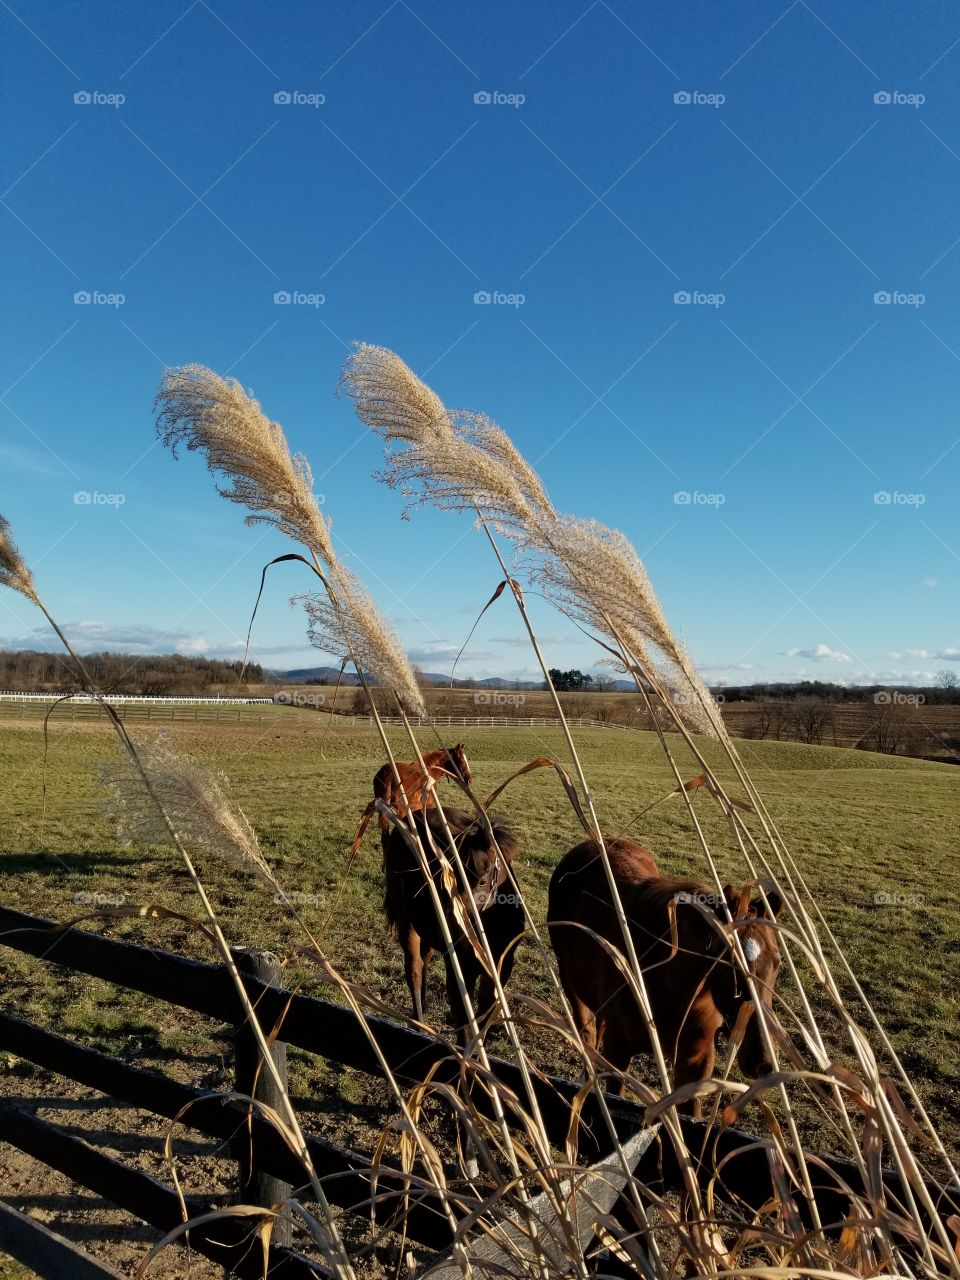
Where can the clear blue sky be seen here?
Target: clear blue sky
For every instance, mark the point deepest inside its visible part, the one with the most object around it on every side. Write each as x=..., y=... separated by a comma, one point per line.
x=598, y=198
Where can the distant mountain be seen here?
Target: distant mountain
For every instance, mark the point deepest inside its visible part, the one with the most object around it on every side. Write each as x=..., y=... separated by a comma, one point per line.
x=307, y=675
x=303, y=675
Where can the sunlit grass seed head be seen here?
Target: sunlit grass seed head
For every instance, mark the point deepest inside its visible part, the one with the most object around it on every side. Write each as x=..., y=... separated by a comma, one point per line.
x=194, y=799
x=454, y=459
x=13, y=572
x=350, y=625
x=390, y=398
x=197, y=408
x=463, y=461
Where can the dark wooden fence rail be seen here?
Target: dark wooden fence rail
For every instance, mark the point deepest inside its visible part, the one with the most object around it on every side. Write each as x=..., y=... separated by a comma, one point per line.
x=332, y=1031
x=227, y=1242
x=20, y=1235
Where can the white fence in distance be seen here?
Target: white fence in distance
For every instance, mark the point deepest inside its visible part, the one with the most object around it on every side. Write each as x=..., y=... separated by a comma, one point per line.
x=171, y=702
x=118, y=699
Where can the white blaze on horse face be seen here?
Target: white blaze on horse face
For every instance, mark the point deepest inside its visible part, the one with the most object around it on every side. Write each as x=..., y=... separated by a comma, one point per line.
x=751, y=949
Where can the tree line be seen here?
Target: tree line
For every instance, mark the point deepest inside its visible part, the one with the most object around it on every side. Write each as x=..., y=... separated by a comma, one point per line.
x=31, y=671
x=945, y=691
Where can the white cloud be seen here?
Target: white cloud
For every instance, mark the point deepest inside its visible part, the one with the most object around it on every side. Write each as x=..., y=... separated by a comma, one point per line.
x=724, y=666
x=435, y=651
x=92, y=635
x=935, y=655
x=901, y=677
x=821, y=653
x=930, y=582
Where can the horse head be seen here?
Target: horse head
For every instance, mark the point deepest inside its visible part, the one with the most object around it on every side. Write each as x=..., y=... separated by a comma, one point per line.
x=752, y=925
x=458, y=762
x=486, y=860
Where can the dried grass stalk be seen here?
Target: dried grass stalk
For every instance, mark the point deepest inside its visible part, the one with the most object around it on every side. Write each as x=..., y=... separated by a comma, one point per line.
x=13, y=572
x=194, y=802
x=214, y=415
x=348, y=624
x=463, y=461
x=197, y=408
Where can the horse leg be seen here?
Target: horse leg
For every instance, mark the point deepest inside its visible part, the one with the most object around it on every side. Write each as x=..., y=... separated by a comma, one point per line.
x=458, y=1011
x=696, y=1055
x=414, y=969
x=583, y=1015
x=616, y=1048
x=426, y=954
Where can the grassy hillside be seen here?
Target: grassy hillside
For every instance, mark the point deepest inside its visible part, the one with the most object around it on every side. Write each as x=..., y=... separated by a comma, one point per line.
x=875, y=838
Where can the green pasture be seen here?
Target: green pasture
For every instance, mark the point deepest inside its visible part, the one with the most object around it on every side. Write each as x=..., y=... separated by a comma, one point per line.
x=874, y=837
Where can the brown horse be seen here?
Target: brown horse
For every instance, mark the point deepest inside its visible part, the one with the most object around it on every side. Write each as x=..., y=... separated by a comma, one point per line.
x=486, y=866
x=693, y=991
x=418, y=787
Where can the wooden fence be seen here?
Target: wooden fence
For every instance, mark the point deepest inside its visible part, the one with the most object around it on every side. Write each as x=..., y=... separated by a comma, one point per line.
x=350, y=1179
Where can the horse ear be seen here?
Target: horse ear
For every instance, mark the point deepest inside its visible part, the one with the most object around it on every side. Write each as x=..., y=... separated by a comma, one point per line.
x=775, y=901
x=732, y=899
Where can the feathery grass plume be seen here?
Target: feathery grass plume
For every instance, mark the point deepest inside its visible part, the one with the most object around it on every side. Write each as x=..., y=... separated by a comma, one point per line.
x=13, y=572
x=595, y=573
x=348, y=624
x=195, y=803
x=197, y=408
x=215, y=416
x=455, y=460
x=463, y=461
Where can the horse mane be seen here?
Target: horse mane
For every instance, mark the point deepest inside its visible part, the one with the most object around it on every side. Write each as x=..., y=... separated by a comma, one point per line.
x=470, y=833
x=654, y=896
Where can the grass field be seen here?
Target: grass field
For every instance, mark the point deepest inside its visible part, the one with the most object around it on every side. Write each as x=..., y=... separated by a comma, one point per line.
x=875, y=838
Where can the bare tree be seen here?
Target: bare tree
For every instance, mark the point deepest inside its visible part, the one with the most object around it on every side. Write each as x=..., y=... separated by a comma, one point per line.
x=812, y=718
x=889, y=728
x=761, y=719
x=781, y=719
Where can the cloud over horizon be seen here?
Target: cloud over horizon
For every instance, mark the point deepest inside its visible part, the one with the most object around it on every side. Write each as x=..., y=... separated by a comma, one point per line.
x=820, y=653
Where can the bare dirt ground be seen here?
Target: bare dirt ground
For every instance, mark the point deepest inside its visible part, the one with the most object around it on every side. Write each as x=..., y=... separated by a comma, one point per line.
x=133, y=1136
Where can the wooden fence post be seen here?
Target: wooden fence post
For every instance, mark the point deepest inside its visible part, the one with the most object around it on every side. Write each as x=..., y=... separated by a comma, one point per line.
x=256, y=1186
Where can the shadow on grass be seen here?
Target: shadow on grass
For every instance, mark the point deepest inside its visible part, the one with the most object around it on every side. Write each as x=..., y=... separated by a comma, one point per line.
x=47, y=860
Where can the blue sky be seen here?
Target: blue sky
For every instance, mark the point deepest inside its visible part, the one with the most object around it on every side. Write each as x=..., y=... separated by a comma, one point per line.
x=587, y=166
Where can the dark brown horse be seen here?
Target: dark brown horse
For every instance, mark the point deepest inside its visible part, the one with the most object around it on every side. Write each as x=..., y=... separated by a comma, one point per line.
x=693, y=991
x=486, y=865
x=418, y=787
